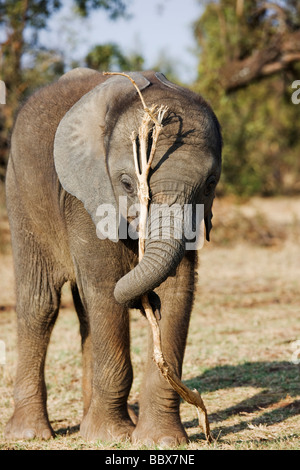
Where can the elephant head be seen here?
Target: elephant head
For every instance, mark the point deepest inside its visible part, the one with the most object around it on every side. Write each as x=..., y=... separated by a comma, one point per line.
x=94, y=162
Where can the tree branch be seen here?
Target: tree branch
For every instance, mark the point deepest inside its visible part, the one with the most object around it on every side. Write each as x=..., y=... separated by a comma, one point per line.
x=276, y=57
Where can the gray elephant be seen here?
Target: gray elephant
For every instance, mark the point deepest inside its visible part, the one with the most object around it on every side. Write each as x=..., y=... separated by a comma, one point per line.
x=71, y=153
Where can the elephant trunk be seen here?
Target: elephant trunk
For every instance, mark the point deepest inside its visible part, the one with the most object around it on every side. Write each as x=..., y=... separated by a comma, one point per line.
x=164, y=249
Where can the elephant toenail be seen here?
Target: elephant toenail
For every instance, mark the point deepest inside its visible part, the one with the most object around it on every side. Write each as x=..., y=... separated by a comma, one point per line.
x=29, y=434
x=46, y=434
x=168, y=441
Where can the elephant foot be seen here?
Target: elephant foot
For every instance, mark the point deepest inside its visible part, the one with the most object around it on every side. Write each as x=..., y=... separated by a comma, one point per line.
x=95, y=428
x=26, y=425
x=150, y=434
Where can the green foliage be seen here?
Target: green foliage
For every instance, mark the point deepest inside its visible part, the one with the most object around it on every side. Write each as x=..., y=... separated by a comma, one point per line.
x=110, y=57
x=261, y=147
x=38, y=11
x=259, y=121
x=260, y=124
x=34, y=13
x=115, y=8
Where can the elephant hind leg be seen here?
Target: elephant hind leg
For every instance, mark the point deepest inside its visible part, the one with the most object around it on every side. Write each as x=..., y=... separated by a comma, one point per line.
x=87, y=353
x=38, y=299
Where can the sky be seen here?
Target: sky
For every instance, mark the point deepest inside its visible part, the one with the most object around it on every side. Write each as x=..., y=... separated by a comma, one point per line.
x=157, y=28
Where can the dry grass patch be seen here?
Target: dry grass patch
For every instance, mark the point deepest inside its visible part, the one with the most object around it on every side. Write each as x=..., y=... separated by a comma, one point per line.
x=239, y=354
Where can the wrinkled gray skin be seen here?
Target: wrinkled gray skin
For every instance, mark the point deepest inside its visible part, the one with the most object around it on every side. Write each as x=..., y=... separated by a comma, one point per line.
x=70, y=152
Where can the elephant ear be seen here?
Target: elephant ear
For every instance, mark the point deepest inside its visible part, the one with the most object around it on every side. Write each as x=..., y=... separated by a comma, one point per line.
x=79, y=145
x=208, y=224
x=163, y=79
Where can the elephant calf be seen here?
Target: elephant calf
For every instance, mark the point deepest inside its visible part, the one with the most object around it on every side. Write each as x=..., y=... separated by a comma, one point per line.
x=71, y=153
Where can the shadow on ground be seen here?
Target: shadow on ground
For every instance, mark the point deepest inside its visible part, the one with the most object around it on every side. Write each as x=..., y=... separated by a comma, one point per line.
x=278, y=383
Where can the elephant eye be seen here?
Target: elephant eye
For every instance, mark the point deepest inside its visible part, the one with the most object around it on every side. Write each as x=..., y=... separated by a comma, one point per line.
x=127, y=184
x=210, y=185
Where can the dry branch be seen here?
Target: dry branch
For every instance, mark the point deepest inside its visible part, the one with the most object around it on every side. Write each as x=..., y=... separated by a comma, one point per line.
x=152, y=121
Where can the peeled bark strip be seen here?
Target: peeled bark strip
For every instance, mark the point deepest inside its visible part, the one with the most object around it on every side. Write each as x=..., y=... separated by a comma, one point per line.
x=155, y=116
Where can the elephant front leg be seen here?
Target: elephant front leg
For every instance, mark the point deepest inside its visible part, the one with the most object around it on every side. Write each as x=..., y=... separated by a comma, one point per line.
x=159, y=418
x=107, y=416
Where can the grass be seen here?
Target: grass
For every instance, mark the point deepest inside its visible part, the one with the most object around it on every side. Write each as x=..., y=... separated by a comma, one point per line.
x=240, y=352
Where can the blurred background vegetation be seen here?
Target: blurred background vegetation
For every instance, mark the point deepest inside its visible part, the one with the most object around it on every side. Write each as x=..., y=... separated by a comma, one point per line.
x=248, y=56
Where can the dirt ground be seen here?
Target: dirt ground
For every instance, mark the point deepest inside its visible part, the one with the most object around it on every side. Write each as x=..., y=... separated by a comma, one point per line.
x=243, y=349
